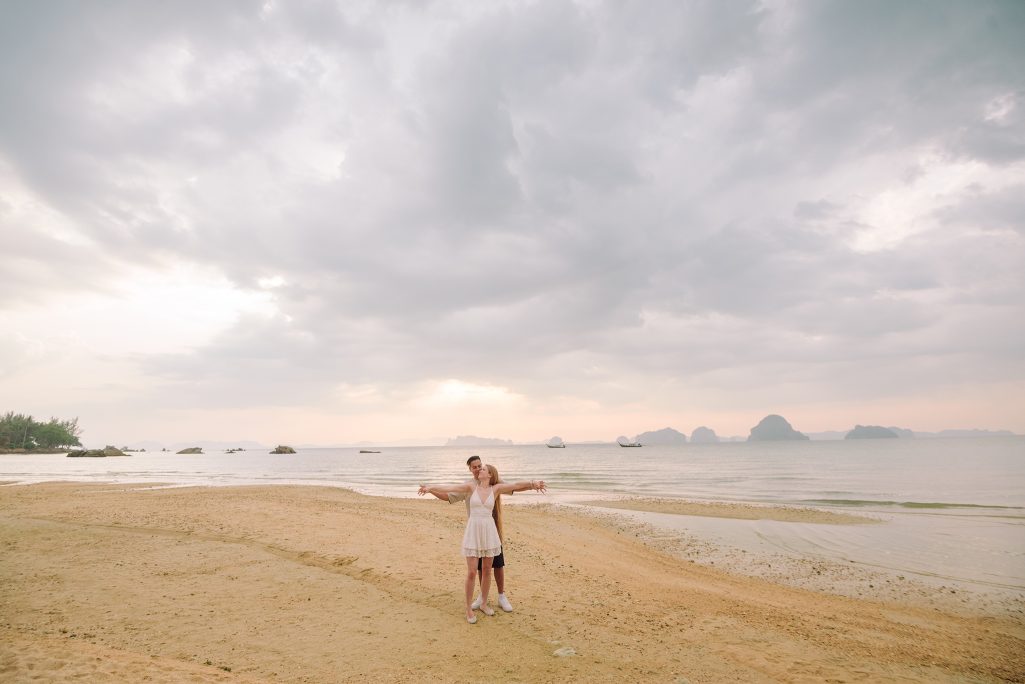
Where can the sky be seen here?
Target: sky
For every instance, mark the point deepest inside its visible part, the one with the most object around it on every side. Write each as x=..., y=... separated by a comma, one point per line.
x=322, y=222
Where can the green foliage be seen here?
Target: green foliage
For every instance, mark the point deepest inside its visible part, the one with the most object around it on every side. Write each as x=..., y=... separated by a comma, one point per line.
x=18, y=431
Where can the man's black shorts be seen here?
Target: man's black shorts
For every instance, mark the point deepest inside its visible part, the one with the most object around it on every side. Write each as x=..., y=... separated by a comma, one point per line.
x=499, y=562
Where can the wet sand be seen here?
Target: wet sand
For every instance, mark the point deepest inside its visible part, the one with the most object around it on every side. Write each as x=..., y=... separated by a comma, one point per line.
x=738, y=511
x=266, y=584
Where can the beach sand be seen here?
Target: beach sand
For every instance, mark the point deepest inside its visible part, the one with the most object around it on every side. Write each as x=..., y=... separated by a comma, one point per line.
x=309, y=584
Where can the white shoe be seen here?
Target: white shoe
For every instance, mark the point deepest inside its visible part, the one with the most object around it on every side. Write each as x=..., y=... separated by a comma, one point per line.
x=476, y=603
x=503, y=602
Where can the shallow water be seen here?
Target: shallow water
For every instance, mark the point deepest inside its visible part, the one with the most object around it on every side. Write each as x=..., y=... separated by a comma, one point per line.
x=981, y=550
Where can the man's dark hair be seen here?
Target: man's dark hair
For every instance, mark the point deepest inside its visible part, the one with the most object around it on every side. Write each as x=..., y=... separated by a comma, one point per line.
x=472, y=459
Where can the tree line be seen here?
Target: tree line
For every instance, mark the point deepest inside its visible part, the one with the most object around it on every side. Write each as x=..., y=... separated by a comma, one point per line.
x=18, y=431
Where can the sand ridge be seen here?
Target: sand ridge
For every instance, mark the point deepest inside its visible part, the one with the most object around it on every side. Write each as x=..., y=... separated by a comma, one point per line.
x=322, y=585
x=739, y=511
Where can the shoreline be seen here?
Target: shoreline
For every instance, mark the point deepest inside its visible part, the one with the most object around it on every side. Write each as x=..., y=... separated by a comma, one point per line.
x=738, y=537
x=300, y=583
x=32, y=452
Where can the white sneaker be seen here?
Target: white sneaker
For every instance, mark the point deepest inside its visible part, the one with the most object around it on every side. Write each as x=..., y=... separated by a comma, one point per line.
x=503, y=602
x=476, y=603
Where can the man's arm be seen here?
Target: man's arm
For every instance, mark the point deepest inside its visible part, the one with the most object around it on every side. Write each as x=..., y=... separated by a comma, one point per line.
x=445, y=492
x=456, y=497
x=451, y=497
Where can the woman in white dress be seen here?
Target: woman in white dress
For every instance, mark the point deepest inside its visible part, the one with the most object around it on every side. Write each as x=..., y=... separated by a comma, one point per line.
x=483, y=537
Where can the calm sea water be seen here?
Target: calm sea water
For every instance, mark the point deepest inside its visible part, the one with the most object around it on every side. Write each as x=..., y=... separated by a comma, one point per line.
x=928, y=472
x=955, y=508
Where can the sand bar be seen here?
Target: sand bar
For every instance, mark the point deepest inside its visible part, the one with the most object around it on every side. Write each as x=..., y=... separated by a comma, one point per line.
x=738, y=511
x=268, y=584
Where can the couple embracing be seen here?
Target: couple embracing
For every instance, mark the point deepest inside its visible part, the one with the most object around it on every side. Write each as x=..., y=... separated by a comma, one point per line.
x=482, y=540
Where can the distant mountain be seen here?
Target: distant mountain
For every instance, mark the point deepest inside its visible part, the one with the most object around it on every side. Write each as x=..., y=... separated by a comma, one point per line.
x=774, y=428
x=473, y=440
x=871, y=432
x=903, y=433
x=663, y=436
x=703, y=435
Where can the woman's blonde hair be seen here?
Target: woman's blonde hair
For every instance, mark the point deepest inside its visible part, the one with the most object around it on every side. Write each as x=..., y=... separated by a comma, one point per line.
x=496, y=512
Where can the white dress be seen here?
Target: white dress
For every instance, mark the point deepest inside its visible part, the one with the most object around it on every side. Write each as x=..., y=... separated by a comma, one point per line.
x=481, y=536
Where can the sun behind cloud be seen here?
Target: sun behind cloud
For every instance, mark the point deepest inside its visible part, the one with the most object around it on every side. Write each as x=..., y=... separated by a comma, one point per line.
x=452, y=392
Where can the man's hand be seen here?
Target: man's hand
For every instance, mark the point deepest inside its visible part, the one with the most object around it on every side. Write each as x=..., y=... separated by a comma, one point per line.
x=424, y=489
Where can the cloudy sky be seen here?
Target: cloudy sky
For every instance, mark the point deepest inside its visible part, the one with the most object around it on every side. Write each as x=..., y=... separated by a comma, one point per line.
x=321, y=222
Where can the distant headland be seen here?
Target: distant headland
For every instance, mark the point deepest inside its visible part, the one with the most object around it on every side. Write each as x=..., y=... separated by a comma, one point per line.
x=22, y=434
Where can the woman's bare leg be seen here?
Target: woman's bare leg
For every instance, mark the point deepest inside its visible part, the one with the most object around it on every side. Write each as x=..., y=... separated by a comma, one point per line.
x=485, y=582
x=471, y=579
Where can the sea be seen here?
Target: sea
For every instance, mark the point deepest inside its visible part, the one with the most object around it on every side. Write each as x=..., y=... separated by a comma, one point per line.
x=953, y=509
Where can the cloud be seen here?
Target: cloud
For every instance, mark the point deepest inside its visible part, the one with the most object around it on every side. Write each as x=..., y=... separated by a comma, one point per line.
x=615, y=205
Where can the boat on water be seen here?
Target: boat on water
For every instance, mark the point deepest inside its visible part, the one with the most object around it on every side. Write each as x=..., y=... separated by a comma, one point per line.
x=625, y=442
x=368, y=451
x=555, y=443
x=556, y=446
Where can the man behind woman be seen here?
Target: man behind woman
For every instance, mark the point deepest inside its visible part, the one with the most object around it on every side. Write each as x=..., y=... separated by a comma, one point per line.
x=474, y=464
x=482, y=538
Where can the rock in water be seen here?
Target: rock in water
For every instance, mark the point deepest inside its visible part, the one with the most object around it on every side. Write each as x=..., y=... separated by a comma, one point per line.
x=664, y=436
x=96, y=453
x=871, y=432
x=774, y=428
x=703, y=435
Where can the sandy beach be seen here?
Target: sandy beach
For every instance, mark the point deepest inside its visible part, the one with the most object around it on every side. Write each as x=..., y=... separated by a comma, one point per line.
x=310, y=584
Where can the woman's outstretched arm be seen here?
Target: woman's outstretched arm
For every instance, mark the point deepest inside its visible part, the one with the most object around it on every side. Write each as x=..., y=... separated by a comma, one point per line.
x=521, y=486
